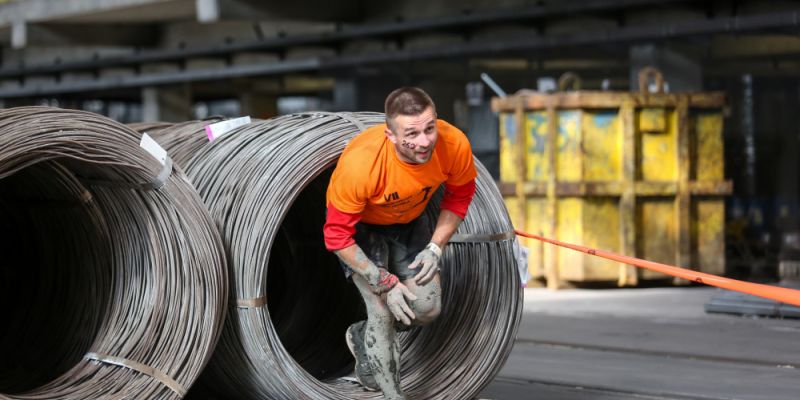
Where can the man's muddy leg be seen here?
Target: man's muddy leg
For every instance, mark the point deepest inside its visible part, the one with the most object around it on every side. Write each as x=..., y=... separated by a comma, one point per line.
x=379, y=338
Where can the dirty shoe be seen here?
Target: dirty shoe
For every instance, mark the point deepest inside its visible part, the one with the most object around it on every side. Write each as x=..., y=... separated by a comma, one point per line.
x=355, y=341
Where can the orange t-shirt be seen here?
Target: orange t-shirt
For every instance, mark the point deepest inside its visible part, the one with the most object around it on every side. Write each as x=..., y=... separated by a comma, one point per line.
x=372, y=181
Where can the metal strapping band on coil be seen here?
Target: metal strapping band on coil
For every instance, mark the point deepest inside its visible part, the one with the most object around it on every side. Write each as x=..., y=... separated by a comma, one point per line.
x=251, y=303
x=86, y=197
x=157, y=182
x=482, y=238
x=154, y=373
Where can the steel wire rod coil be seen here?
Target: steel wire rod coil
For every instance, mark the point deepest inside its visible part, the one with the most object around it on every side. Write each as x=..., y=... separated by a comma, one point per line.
x=179, y=138
x=113, y=281
x=265, y=184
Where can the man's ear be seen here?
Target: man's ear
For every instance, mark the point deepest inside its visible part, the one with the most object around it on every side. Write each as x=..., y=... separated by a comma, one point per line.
x=390, y=135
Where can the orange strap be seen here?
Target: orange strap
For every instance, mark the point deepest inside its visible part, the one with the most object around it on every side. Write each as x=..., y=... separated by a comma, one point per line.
x=781, y=294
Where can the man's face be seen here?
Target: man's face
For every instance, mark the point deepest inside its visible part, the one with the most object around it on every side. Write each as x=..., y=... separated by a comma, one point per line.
x=414, y=136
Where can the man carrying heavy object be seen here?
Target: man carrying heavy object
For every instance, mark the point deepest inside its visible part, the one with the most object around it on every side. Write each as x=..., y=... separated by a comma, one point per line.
x=377, y=227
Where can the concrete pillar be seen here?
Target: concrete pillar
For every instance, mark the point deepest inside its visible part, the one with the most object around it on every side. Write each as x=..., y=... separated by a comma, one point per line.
x=167, y=103
x=19, y=34
x=681, y=74
x=374, y=89
x=345, y=94
x=788, y=187
x=258, y=105
x=207, y=10
x=364, y=93
x=446, y=95
x=368, y=93
x=748, y=131
x=483, y=133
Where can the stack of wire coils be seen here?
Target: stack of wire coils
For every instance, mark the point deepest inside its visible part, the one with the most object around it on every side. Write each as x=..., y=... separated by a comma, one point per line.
x=113, y=281
x=264, y=184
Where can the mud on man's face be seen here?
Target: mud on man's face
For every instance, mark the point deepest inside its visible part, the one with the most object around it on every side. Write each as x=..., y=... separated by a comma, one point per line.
x=414, y=136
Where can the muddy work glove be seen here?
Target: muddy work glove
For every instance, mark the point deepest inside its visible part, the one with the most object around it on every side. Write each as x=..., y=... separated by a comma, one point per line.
x=397, y=300
x=428, y=259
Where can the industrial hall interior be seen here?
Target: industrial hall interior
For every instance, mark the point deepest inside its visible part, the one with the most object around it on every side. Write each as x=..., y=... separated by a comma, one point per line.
x=468, y=200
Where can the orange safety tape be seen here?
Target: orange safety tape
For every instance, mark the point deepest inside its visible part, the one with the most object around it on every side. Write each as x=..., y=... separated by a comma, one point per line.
x=777, y=293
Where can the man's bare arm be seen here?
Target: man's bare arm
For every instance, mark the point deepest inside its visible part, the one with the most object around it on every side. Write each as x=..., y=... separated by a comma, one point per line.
x=355, y=258
x=445, y=228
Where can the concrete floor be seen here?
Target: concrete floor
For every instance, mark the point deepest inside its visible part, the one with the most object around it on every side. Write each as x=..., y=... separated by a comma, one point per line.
x=654, y=343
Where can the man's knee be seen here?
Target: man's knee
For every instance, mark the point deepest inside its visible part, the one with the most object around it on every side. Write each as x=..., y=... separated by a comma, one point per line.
x=427, y=307
x=430, y=314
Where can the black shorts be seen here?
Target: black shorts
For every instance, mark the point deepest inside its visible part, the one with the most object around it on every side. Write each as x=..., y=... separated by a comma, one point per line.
x=393, y=247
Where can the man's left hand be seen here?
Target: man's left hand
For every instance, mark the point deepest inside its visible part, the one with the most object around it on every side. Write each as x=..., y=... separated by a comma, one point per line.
x=429, y=260
x=397, y=300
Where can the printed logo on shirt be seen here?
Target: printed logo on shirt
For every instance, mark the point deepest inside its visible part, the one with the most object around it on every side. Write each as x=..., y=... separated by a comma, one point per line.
x=427, y=191
x=391, y=197
x=401, y=205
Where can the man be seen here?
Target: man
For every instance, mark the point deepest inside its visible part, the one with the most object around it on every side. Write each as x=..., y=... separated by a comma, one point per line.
x=377, y=227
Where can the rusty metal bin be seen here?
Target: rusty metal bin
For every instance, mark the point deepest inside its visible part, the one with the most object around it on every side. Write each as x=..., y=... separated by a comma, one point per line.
x=641, y=174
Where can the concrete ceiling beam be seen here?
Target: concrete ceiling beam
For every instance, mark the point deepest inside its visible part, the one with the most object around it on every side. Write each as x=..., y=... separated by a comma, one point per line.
x=754, y=46
x=55, y=34
x=297, y=10
x=93, y=11
x=350, y=33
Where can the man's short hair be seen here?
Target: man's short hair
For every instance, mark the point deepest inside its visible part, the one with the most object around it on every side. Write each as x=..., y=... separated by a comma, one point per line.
x=407, y=101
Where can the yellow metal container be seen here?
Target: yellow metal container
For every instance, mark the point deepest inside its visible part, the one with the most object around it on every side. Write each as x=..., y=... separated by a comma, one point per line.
x=635, y=173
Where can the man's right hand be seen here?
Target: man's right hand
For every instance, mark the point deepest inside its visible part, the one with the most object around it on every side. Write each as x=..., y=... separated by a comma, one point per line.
x=396, y=301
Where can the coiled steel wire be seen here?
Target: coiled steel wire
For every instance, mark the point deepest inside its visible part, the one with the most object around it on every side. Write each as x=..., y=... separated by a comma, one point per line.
x=111, y=287
x=265, y=184
x=179, y=138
